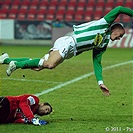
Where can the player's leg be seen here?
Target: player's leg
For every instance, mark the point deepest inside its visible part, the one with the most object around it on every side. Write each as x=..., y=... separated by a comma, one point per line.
x=5, y=59
x=23, y=65
x=8, y=60
x=62, y=50
x=52, y=60
x=36, y=64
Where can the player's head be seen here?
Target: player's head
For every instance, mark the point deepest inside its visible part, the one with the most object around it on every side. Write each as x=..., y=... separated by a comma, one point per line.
x=117, y=31
x=44, y=109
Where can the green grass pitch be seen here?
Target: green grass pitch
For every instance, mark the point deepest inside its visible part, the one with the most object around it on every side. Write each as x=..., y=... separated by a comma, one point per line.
x=79, y=107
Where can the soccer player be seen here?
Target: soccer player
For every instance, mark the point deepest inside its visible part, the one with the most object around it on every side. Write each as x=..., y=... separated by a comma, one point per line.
x=22, y=109
x=94, y=35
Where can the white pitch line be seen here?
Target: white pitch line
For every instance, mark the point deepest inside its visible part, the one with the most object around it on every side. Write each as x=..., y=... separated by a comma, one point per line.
x=79, y=78
x=30, y=80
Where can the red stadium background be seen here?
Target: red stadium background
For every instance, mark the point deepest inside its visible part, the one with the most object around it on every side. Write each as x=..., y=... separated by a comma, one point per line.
x=66, y=12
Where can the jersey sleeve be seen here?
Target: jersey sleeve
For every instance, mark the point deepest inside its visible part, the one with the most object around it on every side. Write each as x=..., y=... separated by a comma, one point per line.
x=26, y=103
x=114, y=13
x=97, y=57
x=19, y=120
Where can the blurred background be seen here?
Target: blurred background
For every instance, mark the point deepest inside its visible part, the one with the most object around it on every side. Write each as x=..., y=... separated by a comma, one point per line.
x=41, y=22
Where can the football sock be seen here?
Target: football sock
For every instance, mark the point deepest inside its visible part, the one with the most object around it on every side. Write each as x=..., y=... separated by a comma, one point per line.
x=8, y=60
x=27, y=64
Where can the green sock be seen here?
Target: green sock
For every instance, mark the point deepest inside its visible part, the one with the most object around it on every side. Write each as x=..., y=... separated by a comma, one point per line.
x=8, y=60
x=27, y=64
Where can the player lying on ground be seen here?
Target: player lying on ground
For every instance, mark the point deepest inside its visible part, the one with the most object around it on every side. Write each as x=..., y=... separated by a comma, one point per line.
x=94, y=35
x=22, y=109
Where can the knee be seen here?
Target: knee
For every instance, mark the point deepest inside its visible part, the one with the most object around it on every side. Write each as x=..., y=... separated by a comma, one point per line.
x=49, y=65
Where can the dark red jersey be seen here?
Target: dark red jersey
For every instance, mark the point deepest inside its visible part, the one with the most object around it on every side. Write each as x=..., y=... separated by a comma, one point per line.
x=22, y=107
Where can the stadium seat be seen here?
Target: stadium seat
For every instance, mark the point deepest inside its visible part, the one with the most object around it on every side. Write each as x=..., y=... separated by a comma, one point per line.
x=119, y=3
x=61, y=8
x=118, y=19
x=23, y=7
x=71, y=9
x=78, y=17
x=72, y=3
x=32, y=11
x=60, y=12
x=30, y=16
x=109, y=3
x=12, y=16
x=7, y=2
x=4, y=6
x=69, y=15
x=129, y=3
x=34, y=3
x=62, y=3
x=25, y=2
x=96, y=17
x=89, y=9
x=87, y=18
x=16, y=3
x=107, y=10
x=14, y=6
x=50, y=16
x=22, y=11
x=41, y=11
x=40, y=16
x=80, y=9
x=4, y=10
x=126, y=18
x=99, y=11
x=91, y=3
x=100, y=3
x=42, y=7
x=51, y=9
x=43, y=3
x=59, y=16
x=33, y=7
x=53, y=3
x=14, y=11
x=81, y=3
x=97, y=14
x=3, y=15
x=21, y=16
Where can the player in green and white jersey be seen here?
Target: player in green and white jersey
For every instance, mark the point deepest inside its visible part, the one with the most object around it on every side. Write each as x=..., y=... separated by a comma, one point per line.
x=93, y=35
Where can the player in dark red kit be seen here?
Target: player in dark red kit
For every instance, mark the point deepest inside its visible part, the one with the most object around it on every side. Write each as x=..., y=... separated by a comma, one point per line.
x=22, y=109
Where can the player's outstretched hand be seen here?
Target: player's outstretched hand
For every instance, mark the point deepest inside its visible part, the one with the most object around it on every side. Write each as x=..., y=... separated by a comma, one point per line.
x=38, y=122
x=105, y=90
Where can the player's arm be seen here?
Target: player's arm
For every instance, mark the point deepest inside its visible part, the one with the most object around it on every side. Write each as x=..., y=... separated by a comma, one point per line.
x=25, y=105
x=114, y=13
x=97, y=57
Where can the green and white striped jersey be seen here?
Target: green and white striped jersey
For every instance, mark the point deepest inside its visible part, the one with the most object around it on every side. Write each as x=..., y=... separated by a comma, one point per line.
x=85, y=35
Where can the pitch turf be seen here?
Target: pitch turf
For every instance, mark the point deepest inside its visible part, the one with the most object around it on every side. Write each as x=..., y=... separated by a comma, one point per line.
x=79, y=107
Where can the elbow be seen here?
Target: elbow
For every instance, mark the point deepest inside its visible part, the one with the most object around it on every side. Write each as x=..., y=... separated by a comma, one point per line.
x=119, y=7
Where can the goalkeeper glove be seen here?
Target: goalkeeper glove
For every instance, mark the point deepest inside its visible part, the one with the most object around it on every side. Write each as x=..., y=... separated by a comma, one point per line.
x=38, y=122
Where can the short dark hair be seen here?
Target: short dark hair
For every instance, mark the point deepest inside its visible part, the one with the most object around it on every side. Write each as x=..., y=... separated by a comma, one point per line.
x=117, y=25
x=51, y=109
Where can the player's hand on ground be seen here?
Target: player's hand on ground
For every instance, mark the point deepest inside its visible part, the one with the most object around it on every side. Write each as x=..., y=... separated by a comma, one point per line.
x=38, y=122
x=104, y=89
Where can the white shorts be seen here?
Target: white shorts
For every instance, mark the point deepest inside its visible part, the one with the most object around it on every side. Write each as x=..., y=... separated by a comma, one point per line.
x=66, y=47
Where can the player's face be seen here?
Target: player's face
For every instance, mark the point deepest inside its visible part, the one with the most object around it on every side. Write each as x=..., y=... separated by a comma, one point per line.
x=117, y=34
x=44, y=109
